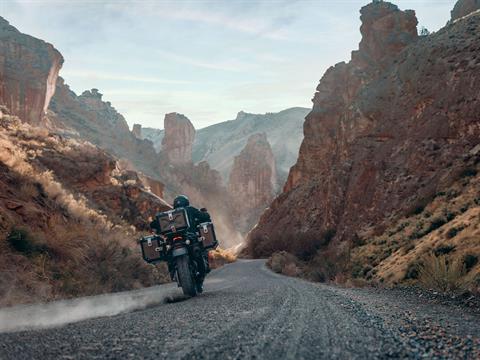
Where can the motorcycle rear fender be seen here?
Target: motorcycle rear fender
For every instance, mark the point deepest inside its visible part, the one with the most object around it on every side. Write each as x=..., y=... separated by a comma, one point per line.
x=179, y=252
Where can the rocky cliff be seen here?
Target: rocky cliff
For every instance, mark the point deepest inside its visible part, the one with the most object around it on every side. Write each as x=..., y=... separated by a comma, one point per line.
x=464, y=7
x=28, y=71
x=387, y=131
x=178, y=140
x=252, y=180
x=89, y=117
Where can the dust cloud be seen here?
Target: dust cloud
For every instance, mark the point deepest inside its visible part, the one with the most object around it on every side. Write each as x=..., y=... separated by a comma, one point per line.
x=58, y=313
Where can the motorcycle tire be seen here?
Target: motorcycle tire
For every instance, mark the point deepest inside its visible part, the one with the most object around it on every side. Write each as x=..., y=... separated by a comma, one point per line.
x=185, y=276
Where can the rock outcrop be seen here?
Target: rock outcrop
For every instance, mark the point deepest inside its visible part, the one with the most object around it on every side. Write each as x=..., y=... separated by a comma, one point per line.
x=137, y=131
x=385, y=32
x=387, y=130
x=178, y=140
x=253, y=179
x=464, y=7
x=89, y=117
x=29, y=69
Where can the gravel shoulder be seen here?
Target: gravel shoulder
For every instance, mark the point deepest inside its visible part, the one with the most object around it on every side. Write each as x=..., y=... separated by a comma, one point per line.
x=249, y=312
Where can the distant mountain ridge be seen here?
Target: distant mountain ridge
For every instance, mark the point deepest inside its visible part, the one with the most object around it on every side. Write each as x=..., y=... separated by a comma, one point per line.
x=218, y=144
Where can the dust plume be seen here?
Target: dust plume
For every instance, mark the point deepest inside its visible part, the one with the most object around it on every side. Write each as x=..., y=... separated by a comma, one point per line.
x=58, y=313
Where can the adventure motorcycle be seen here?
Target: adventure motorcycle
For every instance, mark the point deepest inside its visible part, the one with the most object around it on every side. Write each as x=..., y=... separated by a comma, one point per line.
x=184, y=251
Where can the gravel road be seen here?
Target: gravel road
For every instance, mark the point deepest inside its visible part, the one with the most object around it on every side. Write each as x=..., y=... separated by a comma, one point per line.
x=249, y=312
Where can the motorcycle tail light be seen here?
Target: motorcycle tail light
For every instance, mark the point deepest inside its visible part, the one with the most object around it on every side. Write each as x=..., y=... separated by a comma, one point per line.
x=177, y=238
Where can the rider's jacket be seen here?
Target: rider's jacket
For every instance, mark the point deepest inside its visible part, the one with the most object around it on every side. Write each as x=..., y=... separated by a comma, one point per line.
x=196, y=217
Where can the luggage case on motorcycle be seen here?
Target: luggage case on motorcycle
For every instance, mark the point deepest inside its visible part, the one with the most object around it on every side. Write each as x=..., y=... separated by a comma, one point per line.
x=207, y=235
x=153, y=248
x=173, y=221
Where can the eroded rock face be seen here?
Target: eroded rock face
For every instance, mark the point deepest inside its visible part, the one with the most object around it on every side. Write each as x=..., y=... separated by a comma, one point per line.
x=382, y=139
x=252, y=180
x=464, y=7
x=385, y=31
x=89, y=117
x=28, y=72
x=178, y=140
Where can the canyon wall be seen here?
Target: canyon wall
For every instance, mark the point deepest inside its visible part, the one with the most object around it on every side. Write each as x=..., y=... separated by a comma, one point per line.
x=29, y=69
x=252, y=180
x=387, y=130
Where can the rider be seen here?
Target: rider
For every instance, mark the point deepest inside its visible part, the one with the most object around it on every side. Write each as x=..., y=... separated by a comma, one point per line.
x=195, y=217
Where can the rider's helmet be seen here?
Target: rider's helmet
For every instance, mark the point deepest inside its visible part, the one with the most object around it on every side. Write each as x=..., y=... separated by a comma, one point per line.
x=181, y=201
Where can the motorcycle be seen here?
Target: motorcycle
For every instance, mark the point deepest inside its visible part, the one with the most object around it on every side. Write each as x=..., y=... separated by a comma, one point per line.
x=184, y=251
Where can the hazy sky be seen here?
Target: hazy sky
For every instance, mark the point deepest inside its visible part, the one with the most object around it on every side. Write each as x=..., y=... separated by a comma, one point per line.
x=205, y=59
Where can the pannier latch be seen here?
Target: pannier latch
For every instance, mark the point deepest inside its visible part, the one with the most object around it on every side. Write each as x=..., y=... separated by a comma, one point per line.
x=158, y=249
x=170, y=216
x=149, y=241
x=205, y=229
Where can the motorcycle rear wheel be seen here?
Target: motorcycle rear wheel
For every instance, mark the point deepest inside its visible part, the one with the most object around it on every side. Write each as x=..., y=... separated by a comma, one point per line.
x=185, y=276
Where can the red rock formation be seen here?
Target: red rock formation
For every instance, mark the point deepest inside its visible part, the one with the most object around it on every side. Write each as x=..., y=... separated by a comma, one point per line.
x=90, y=171
x=28, y=72
x=385, y=31
x=382, y=139
x=464, y=7
x=89, y=117
x=178, y=141
x=252, y=180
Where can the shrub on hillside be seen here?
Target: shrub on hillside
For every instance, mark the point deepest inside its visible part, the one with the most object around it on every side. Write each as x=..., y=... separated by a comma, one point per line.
x=303, y=245
x=284, y=263
x=442, y=273
x=21, y=240
x=330, y=264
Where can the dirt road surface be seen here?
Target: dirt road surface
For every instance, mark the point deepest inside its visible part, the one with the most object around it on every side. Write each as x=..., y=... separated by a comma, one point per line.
x=246, y=312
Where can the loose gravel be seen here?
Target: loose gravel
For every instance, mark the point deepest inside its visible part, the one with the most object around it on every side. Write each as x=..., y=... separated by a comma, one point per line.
x=248, y=312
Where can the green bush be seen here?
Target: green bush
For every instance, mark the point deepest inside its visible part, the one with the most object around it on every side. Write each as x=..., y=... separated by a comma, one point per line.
x=22, y=241
x=452, y=232
x=470, y=261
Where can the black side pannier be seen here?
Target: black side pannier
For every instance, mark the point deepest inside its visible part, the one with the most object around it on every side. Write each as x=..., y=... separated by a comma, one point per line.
x=173, y=221
x=207, y=235
x=153, y=248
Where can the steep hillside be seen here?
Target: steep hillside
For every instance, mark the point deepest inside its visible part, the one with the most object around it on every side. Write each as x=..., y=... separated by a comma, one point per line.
x=388, y=131
x=89, y=117
x=66, y=216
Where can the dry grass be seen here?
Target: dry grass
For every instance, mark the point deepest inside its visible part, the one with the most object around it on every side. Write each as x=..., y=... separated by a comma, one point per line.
x=443, y=274
x=53, y=244
x=448, y=227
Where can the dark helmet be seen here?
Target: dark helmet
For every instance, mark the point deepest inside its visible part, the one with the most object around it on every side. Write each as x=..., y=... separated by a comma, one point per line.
x=181, y=201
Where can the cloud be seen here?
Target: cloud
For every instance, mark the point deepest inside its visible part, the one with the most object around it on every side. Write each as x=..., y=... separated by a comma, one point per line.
x=97, y=75
x=231, y=65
